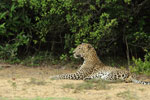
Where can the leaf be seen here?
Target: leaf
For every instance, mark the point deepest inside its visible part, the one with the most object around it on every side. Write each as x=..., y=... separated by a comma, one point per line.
x=2, y=15
x=2, y=29
x=13, y=7
x=35, y=41
x=2, y=25
x=92, y=7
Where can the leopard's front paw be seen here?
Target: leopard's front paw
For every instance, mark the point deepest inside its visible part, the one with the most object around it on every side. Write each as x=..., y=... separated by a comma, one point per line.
x=87, y=78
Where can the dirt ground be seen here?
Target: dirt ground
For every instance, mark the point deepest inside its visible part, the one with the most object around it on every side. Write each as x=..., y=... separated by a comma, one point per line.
x=18, y=81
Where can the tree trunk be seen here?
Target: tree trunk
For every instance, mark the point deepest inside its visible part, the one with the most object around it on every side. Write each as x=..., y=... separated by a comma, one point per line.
x=127, y=50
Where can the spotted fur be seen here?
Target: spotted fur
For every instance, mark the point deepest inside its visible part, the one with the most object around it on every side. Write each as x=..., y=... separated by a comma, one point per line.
x=93, y=68
x=112, y=74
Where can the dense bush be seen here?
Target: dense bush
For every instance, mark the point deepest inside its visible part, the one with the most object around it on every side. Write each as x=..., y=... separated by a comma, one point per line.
x=114, y=27
x=141, y=66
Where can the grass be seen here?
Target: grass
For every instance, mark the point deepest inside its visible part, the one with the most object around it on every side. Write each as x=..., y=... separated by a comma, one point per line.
x=39, y=98
x=141, y=89
x=36, y=82
x=1, y=67
x=88, y=85
x=70, y=86
x=13, y=84
x=128, y=95
x=114, y=61
x=40, y=58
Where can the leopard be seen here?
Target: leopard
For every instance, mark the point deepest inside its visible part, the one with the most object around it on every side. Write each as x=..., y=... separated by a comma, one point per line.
x=94, y=68
x=91, y=63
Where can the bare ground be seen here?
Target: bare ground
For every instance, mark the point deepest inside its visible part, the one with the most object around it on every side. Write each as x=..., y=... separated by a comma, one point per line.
x=18, y=81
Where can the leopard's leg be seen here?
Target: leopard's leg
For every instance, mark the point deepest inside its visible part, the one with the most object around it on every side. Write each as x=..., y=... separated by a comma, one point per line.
x=73, y=76
x=99, y=75
x=79, y=75
x=109, y=75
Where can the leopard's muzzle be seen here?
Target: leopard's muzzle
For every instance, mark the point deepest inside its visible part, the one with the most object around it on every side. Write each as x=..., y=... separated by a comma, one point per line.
x=77, y=56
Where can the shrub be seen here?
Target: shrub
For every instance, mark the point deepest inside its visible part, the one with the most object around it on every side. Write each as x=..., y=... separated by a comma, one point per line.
x=141, y=66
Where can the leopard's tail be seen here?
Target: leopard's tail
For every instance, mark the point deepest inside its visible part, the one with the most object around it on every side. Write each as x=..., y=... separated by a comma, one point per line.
x=140, y=82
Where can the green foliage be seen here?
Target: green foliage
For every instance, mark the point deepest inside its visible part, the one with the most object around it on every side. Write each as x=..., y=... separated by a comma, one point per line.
x=10, y=50
x=141, y=66
x=57, y=26
x=63, y=57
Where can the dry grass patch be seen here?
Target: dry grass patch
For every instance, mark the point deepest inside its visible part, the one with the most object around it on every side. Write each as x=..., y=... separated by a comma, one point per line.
x=38, y=98
x=36, y=81
x=13, y=84
x=88, y=85
x=128, y=95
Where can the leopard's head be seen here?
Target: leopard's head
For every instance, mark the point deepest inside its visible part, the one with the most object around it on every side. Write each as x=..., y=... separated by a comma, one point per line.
x=82, y=50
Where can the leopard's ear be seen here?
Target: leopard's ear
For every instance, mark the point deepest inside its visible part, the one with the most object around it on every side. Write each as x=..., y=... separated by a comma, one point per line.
x=89, y=46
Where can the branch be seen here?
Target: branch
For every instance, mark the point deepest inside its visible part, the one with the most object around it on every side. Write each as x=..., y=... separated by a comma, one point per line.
x=139, y=7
